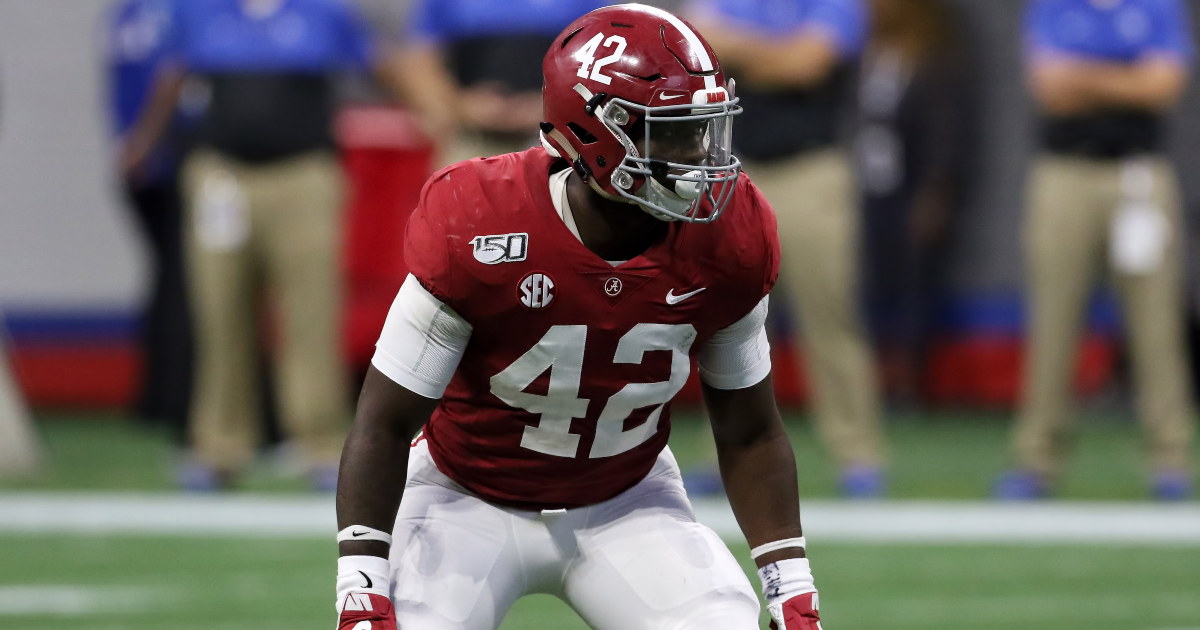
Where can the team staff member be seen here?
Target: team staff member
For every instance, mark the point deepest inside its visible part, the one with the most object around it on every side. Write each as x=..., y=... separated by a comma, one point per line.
x=263, y=197
x=792, y=61
x=138, y=39
x=473, y=70
x=20, y=449
x=1104, y=74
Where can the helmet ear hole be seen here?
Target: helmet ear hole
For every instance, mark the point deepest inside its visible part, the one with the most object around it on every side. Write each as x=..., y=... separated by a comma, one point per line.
x=583, y=134
x=568, y=38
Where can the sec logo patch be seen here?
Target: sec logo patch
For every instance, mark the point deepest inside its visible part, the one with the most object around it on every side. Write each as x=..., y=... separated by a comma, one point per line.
x=536, y=290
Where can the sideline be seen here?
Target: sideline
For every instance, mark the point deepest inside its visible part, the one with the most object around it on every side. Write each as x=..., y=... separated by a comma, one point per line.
x=925, y=522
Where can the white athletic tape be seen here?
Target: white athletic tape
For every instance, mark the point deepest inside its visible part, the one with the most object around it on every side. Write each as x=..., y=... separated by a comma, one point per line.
x=362, y=532
x=786, y=543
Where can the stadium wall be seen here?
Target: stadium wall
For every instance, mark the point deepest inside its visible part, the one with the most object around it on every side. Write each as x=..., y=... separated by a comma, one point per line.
x=73, y=269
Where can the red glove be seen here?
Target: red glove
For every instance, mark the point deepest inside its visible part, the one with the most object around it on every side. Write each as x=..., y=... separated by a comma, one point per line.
x=791, y=595
x=362, y=594
x=797, y=613
x=367, y=611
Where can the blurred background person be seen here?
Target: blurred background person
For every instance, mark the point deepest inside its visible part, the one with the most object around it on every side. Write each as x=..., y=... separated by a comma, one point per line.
x=1104, y=74
x=473, y=70
x=914, y=142
x=138, y=40
x=263, y=194
x=793, y=61
x=20, y=447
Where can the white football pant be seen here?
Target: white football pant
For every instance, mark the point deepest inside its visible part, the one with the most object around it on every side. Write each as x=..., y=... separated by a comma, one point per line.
x=639, y=561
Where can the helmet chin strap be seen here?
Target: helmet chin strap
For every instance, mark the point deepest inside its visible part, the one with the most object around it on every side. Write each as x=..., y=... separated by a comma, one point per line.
x=572, y=156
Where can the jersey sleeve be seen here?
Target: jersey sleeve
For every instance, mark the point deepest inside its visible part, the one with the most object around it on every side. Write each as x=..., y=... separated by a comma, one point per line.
x=422, y=341
x=738, y=355
x=773, y=252
x=426, y=251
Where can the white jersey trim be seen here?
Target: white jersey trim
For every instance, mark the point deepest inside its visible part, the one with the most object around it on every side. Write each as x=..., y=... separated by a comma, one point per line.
x=739, y=355
x=422, y=341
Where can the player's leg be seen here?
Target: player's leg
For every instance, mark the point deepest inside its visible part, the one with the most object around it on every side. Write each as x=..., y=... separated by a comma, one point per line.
x=1153, y=304
x=456, y=560
x=1065, y=230
x=644, y=563
x=219, y=249
x=819, y=231
x=302, y=230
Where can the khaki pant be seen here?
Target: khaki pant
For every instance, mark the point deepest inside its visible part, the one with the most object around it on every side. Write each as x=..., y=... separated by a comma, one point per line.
x=275, y=227
x=1072, y=202
x=20, y=447
x=814, y=200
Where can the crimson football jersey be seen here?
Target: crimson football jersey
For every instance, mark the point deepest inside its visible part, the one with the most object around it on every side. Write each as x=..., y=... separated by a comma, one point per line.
x=562, y=397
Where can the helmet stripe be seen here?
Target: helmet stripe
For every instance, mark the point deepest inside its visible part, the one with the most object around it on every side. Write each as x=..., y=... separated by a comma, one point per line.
x=706, y=63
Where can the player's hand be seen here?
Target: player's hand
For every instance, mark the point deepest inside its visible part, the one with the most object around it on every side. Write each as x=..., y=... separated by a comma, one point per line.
x=797, y=613
x=362, y=594
x=367, y=611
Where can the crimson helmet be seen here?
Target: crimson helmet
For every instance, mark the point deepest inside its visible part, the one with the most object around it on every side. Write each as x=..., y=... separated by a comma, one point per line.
x=636, y=100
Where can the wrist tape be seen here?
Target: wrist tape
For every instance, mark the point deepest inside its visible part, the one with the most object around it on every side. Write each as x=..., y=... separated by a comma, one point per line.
x=786, y=579
x=786, y=543
x=362, y=532
x=362, y=574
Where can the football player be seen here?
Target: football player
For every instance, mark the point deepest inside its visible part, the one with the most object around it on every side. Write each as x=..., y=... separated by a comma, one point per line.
x=556, y=302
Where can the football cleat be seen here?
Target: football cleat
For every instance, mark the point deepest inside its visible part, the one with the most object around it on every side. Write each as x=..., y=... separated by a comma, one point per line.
x=1020, y=485
x=862, y=482
x=1172, y=485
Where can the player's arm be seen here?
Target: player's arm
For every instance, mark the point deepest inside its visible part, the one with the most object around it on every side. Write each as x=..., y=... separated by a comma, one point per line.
x=758, y=466
x=419, y=349
x=152, y=123
x=1064, y=85
x=418, y=73
x=798, y=61
x=375, y=459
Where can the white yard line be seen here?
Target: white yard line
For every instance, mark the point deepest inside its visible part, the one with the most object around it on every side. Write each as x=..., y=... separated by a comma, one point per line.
x=29, y=599
x=932, y=522
x=979, y=522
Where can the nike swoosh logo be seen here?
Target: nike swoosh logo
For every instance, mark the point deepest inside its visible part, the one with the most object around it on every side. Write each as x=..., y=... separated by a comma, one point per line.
x=357, y=534
x=675, y=299
x=667, y=97
x=367, y=578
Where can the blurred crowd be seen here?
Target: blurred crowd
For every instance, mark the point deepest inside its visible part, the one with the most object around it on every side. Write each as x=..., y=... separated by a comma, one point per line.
x=861, y=126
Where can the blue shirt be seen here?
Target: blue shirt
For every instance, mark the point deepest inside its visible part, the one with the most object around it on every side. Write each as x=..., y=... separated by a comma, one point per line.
x=1122, y=32
x=441, y=21
x=845, y=21
x=138, y=39
x=211, y=36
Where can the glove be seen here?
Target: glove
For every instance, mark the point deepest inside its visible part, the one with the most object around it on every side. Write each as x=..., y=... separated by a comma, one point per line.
x=362, y=594
x=367, y=611
x=791, y=595
x=797, y=613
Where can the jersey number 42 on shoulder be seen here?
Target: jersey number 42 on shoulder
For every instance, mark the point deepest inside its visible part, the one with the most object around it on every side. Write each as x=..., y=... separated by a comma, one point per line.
x=561, y=351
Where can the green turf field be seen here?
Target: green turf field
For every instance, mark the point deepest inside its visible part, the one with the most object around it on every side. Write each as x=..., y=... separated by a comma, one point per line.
x=136, y=583
x=942, y=457
x=207, y=584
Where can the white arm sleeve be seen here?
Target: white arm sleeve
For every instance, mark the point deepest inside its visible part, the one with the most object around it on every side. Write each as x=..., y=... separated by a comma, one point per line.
x=422, y=341
x=738, y=356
